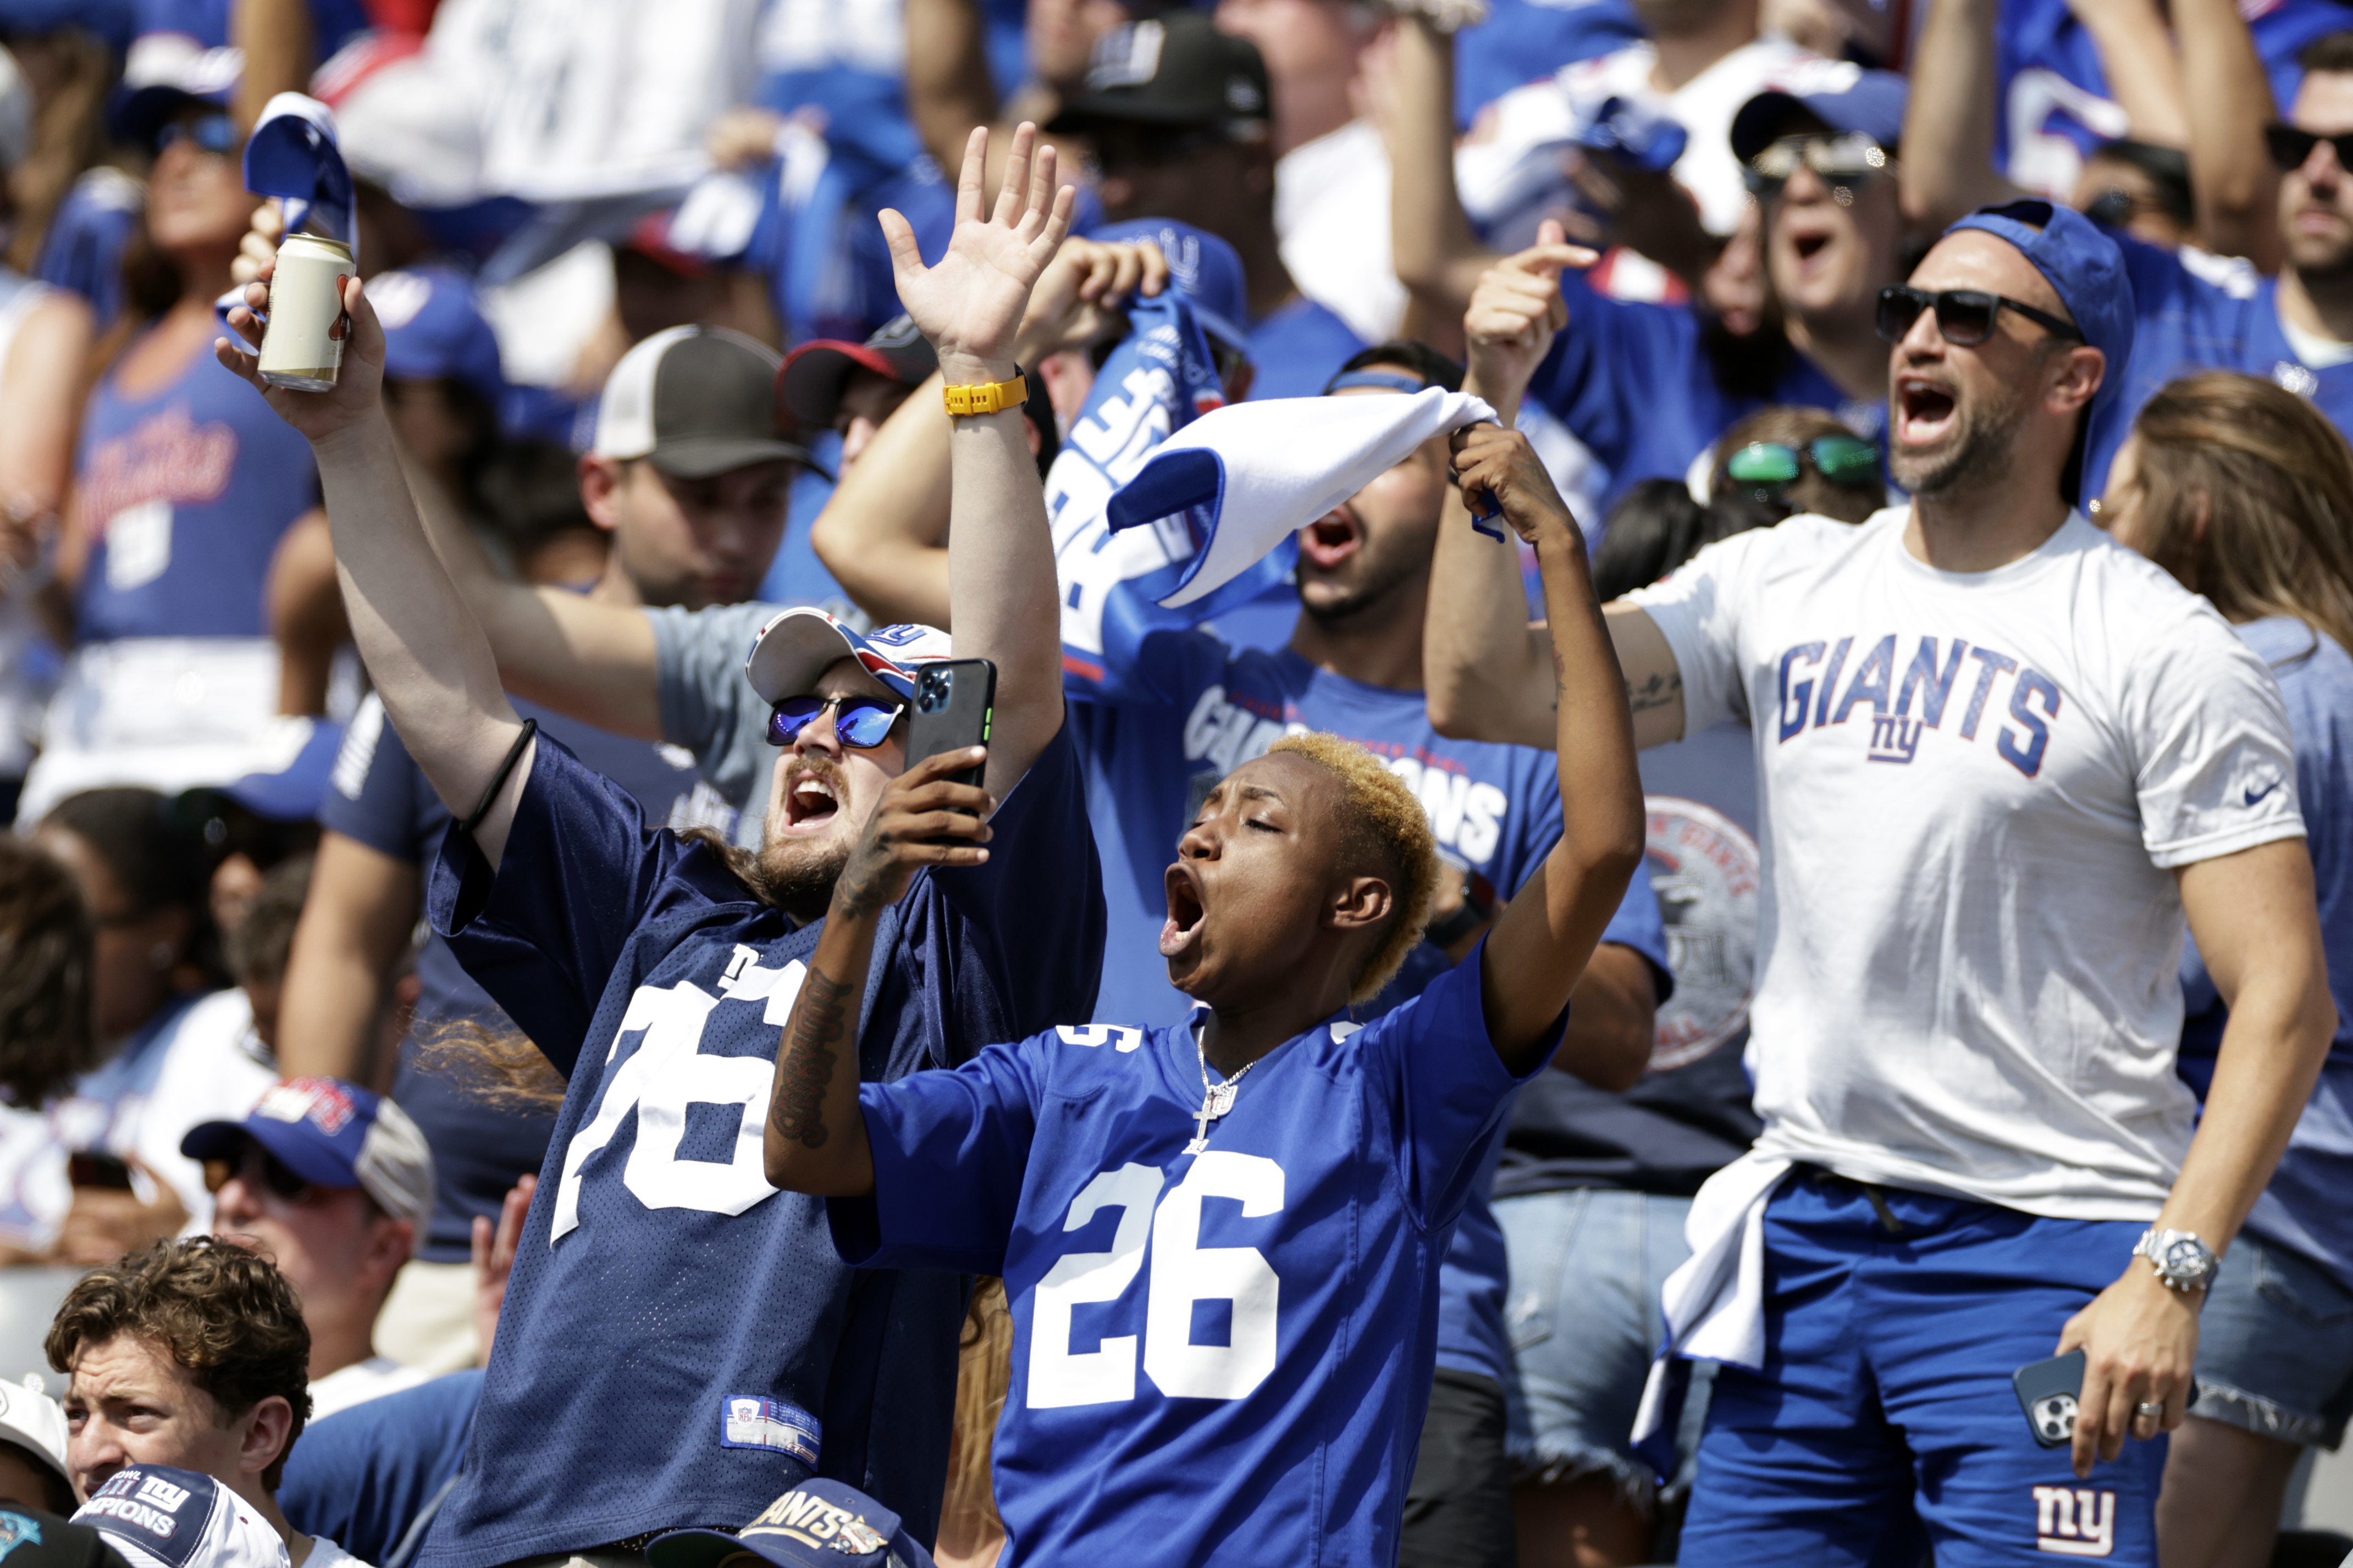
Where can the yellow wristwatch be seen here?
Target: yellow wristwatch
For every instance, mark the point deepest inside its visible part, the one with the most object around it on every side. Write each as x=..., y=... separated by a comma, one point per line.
x=989, y=399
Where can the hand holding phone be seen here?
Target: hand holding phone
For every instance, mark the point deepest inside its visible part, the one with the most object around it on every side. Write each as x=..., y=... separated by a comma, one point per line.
x=955, y=704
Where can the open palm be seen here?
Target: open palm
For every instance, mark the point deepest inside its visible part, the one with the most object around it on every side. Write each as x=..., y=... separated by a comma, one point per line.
x=971, y=303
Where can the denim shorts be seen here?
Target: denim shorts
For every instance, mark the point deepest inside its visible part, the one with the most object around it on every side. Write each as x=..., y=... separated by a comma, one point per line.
x=1584, y=1320
x=2275, y=1346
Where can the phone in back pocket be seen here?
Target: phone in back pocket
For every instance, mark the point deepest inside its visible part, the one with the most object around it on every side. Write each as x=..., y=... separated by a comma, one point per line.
x=2048, y=1391
x=955, y=701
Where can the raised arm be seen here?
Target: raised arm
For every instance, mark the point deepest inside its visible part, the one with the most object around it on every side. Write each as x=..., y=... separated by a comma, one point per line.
x=948, y=85
x=1432, y=250
x=883, y=532
x=1948, y=120
x=427, y=657
x=1488, y=672
x=1002, y=601
x=2136, y=55
x=2228, y=97
x=1538, y=949
x=2254, y=917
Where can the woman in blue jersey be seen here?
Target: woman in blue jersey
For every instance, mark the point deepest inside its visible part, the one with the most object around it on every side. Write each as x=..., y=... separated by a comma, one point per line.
x=185, y=488
x=2241, y=490
x=1240, y=1365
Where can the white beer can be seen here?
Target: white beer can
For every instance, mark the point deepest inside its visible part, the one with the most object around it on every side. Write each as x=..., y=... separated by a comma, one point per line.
x=305, y=302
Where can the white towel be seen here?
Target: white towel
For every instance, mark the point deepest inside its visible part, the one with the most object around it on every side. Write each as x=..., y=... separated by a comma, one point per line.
x=1246, y=478
x=1714, y=1303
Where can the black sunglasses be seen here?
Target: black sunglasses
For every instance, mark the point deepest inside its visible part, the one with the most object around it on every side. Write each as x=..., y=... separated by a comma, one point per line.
x=2290, y=147
x=863, y=723
x=1965, y=316
x=1844, y=163
x=214, y=133
x=274, y=1174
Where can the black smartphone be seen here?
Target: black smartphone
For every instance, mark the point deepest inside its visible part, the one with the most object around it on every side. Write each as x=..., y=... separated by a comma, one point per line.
x=955, y=701
x=91, y=1168
x=2048, y=1391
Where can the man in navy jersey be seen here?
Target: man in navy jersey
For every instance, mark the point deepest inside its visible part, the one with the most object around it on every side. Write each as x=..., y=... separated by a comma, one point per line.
x=1285, y=1183
x=677, y=1344
x=2003, y=764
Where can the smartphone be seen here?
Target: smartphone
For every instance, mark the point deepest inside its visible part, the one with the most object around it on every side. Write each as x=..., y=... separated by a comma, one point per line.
x=90, y=1168
x=2048, y=1391
x=955, y=701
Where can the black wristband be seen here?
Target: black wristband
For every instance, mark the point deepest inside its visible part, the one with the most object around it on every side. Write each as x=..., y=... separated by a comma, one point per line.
x=499, y=779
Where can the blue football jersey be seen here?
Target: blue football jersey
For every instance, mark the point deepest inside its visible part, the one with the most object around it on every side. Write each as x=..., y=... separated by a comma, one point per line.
x=1220, y=1356
x=1635, y=383
x=679, y=1342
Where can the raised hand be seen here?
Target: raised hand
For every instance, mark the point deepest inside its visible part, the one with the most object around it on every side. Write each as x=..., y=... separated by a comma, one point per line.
x=1515, y=313
x=1077, y=297
x=1500, y=462
x=971, y=304
x=923, y=819
x=359, y=384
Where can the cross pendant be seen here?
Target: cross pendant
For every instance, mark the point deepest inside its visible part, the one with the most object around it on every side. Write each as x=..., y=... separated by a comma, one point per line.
x=1216, y=1101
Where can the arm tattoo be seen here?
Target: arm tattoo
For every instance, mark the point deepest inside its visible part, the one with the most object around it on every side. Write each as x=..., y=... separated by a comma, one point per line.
x=1662, y=690
x=821, y=1017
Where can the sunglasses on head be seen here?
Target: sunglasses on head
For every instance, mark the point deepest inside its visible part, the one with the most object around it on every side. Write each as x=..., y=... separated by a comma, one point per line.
x=1774, y=466
x=1965, y=316
x=2290, y=147
x=214, y=133
x=1842, y=162
x=863, y=723
x=273, y=1174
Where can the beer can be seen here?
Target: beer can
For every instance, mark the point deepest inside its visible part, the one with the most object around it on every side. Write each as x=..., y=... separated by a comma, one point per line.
x=304, y=305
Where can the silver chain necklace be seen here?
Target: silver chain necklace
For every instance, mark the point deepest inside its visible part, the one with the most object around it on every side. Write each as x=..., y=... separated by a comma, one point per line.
x=1217, y=1098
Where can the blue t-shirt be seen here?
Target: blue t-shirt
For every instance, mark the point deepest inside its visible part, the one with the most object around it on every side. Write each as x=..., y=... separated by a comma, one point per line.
x=2304, y=1209
x=2206, y=315
x=1634, y=382
x=1298, y=348
x=2047, y=67
x=680, y=1344
x=187, y=491
x=379, y=796
x=1222, y=1354
x=363, y=1477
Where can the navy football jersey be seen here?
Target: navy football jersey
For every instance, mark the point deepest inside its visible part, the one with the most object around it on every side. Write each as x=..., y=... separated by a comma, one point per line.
x=1220, y=1356
x=679, y=1342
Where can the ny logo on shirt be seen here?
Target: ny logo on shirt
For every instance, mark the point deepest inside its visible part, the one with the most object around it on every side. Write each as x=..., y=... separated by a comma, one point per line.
x=668, y=1074
x=2075, y=1521
x=1811, y=698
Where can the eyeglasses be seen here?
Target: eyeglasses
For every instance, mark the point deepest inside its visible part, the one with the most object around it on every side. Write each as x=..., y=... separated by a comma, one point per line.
x=861, y=721
x=1965, y=316
x=2290, y=147
x=1842, y=162
x=1773, y=465
x=273, y=1174
x=214, y=133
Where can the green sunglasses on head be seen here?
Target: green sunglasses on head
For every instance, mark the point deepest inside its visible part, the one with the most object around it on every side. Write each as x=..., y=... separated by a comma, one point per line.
x=1776, y=464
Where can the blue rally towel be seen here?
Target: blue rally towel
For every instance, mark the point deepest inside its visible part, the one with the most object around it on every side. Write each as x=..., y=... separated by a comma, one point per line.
x=1237, y=484
x=292, y=154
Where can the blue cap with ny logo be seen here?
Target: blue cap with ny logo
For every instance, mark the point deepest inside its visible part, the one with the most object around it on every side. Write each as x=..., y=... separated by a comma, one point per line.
x=820, y=1524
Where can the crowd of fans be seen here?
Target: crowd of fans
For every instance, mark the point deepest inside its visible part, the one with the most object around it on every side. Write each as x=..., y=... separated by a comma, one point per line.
x=441, y=865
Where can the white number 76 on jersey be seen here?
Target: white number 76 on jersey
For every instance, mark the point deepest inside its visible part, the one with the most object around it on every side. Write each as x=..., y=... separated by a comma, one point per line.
x=1182, y=1272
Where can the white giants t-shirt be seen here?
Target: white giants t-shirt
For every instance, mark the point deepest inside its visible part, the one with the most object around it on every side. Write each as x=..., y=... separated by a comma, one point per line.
x=1972, y=790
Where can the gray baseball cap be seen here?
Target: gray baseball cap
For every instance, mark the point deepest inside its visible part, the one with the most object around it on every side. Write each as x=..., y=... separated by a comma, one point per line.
x=696, y=401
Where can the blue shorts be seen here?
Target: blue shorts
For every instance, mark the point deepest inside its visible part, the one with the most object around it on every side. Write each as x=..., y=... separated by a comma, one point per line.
x=1883, y=1423
x=1588, y=1264
x=2275, y=1346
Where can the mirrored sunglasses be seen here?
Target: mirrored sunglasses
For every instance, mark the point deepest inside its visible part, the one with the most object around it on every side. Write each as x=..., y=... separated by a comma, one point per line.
x=1771, y=466
x=257, y=1162
x=214, y=133
x=863, y=723
x=1965, y=316
x=1842, y=162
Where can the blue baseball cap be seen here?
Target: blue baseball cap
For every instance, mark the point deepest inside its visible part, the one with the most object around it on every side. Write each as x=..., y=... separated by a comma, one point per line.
x=1204, y=271
x=794, y=647
x=434, y=330
x=334, y=1134
x=820, y=1524
x=1837, y=93
x=162, y=73
x=2086, y=268
x=158, y=1516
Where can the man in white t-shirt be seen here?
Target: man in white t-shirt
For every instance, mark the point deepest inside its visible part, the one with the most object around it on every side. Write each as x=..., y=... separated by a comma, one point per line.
x=1999, y=760
x=332, y=1182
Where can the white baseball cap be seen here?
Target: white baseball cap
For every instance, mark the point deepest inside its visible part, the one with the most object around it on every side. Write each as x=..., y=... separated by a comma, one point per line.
x=159, y=1517
x=34, y=1423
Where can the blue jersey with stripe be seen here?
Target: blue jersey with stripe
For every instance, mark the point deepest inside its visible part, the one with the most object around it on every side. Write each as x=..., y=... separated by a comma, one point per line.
x=679, y=1342
x=1217, y=1356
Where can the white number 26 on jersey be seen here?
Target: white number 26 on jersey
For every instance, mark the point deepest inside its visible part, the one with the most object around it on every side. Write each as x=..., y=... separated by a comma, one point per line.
x=1182, y=1272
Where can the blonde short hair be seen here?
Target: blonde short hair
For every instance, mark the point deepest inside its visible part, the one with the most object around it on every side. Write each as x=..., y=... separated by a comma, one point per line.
x=1384, y=825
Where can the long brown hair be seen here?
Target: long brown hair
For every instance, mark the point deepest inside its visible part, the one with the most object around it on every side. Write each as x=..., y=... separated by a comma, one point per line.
x=2271, y=479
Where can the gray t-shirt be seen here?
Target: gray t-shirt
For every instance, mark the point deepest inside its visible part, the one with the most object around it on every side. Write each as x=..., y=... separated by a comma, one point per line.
x=708, y=705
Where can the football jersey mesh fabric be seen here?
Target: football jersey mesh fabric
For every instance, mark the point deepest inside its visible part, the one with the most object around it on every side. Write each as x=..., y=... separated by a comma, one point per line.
x=1228, y=1352
x=680, y=1342
x=1986, y=778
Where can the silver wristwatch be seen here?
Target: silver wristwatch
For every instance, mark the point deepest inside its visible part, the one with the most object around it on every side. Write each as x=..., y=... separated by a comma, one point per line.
x=2182, y=1262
